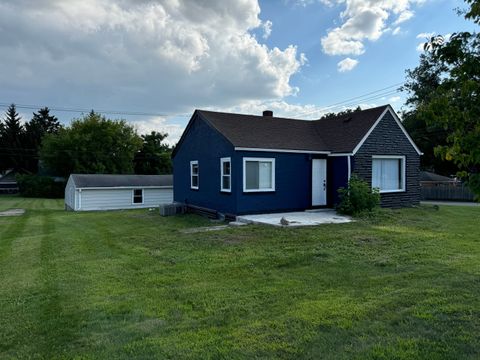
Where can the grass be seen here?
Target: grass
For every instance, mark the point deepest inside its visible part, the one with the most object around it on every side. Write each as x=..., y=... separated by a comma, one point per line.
x=130, y=284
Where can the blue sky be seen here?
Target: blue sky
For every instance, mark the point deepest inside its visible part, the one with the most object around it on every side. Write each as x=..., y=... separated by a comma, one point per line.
x=164, y=58
x=383, y=63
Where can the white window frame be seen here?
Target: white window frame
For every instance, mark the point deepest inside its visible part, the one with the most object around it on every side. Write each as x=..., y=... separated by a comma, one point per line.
x=223, y=161
x=194, y=162
x=133, y=197
x=403, y=167
x=271, y=160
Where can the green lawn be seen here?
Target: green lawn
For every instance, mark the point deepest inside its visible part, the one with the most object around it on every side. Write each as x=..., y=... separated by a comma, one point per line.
x=130, y=284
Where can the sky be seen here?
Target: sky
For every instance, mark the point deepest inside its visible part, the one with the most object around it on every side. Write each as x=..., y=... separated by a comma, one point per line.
x=153, y=62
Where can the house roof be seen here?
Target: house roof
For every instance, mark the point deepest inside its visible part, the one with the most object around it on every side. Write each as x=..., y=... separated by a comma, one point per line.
x=107, y=180
x=8, y=178
x=338, y=134
x=429, y=176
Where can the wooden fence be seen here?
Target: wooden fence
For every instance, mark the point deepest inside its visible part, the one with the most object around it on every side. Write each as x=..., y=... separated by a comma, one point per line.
x=438, y=190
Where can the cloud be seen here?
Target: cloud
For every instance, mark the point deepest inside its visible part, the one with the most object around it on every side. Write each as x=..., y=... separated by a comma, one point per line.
x=267, y=29
x=396, y=31
x=159, y=124
x=425, y=35
x=404, y=16
x=347, y=64
x=364, y=20
x=394, y=99
x=137, y=55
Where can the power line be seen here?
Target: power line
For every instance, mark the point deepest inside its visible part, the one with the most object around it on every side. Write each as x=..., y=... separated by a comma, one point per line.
x=386, y=91
x=378, y=96
x=85, y=110
x=358, y=98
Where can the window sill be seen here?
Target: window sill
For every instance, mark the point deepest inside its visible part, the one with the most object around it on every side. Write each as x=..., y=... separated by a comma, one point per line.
x=391, y=191
x=194, y=188
x=259, y=191
x=226, y=191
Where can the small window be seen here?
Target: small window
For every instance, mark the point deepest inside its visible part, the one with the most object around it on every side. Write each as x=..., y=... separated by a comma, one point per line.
x=258, y=174
x=194, y=174
x=388, y=173
x=226, y=174
x=138, y=196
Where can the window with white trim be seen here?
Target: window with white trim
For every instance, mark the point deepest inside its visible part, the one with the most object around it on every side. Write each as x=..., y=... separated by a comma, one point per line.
x=258, y=174
x=225, y=174
x=388, y=173
x=194, y=174
x=137, y=196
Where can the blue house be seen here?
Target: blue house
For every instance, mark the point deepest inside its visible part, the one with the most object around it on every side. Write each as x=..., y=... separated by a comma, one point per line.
x=242, y=164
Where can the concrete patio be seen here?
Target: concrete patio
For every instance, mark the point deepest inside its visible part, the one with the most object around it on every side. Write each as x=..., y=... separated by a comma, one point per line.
x=300, y=218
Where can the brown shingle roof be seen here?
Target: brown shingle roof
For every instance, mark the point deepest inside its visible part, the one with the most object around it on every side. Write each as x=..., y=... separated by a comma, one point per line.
x=265, y=132
x=338, y=134
x=343, y=133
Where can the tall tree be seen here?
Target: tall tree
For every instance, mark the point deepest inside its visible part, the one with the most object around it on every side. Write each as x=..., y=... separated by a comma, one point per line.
x=450, y=102
x=42, y=123
x=154, y=156
x=11, y=140
x=92, y=144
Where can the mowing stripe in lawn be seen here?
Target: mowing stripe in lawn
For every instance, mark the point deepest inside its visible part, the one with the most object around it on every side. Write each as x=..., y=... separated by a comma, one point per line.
x=19, y=293
x=13, y=229
x=58, y=315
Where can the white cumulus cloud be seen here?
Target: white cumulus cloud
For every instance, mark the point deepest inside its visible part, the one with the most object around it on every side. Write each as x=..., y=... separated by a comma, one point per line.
x=140, y=55
x=267, y=29
x=347, y=64
x=365, y=20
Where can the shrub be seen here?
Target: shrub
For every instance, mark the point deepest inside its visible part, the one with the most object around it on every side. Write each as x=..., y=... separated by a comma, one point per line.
x=357, y=197
x=40, y=186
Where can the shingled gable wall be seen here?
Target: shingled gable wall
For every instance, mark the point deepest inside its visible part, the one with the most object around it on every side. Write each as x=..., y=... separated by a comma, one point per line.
x=388, y=139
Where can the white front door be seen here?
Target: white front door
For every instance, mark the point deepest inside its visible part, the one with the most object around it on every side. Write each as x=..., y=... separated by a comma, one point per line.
x=319, y=182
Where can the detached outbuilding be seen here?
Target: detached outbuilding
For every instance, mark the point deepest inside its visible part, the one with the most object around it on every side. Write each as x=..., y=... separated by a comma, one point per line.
x=114, y=192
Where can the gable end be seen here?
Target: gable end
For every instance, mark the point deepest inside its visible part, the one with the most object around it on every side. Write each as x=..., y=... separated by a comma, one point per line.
x=399, y=123
x=196, y=115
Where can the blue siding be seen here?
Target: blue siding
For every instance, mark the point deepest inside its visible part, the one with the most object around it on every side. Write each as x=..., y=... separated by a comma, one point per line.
x=292, y=184
x=203, y=143
x=293, y=175
x=337, y=176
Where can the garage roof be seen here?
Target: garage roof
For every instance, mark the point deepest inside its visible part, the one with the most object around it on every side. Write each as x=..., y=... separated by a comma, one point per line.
x=108, y=180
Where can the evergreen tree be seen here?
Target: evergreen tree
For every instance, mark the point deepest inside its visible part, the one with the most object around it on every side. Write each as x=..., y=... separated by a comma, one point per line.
x=11, y=144
x=42, y=123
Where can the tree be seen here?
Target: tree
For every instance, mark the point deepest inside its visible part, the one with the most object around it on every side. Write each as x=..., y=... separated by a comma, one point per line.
x=154, y=156
x=92, y=144
x=445, y=89
x=340, y=113
x=427, y=137
x=12, y=154
x=42, y=123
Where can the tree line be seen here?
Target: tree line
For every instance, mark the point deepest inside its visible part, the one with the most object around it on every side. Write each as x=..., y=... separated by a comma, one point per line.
x=444, y=100
x=90, y=144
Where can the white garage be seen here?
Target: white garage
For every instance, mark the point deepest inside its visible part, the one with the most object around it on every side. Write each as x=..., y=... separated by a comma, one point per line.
x=113, y=192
